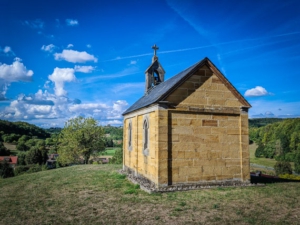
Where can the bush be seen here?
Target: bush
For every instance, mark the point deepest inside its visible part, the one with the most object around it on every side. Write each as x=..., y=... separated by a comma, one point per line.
x=259, y=152
x=33, y=156
x=283, y=168
x=21, y=170
x=289, y=157
x=117, y=158
x=21, y=158
x=21, y=146
x=290, y=177
x=4, y=151
x=5, y=170
x=297, y=163
x=35, y=168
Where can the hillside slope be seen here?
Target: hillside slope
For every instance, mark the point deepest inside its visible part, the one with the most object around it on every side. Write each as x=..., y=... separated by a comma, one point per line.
x=96, y=194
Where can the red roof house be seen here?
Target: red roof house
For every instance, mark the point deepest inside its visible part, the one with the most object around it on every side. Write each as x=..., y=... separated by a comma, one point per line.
x=12, y=160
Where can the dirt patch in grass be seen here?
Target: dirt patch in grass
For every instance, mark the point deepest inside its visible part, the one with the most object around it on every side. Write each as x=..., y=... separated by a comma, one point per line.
x=97, y=194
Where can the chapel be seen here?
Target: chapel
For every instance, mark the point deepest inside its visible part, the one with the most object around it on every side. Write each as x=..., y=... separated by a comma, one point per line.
x=188, y=131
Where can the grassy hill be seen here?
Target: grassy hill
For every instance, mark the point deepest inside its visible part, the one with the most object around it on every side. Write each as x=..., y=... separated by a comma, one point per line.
x=96, y=194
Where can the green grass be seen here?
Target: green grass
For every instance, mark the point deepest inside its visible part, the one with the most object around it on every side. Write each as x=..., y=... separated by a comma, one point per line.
x=96, y=194
x=260, y=161
x=109, y=151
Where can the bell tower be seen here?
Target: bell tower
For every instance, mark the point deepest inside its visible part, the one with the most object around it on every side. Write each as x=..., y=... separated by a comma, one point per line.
x=155, y=72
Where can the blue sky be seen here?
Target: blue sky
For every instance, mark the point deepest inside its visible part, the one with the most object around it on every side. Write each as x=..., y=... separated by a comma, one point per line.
x=62, y=59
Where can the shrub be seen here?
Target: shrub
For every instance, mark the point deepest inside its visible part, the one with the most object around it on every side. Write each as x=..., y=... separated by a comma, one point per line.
x=21, y=170
x=35, y=168
x=259, y=152
x=283, y=168
x=5, y=170
x=21, y=158
x=4, y=151
x=290, y=176
x=297, y=163
x=117, y=158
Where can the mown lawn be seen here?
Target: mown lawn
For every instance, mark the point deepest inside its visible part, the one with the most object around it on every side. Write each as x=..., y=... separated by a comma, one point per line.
x=260, y=161
x=97, y=194
x=109, y=151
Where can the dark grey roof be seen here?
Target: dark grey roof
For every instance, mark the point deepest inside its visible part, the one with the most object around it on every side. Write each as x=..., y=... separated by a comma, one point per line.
x=159, y=92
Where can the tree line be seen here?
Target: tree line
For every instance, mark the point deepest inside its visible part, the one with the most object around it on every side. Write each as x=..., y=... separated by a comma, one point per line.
x=80, y=139
x=279, y=140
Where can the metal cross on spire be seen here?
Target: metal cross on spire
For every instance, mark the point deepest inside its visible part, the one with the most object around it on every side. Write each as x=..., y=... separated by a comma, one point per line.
x=154, y=47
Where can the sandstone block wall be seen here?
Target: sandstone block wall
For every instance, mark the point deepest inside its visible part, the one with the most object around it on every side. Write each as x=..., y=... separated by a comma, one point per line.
x=134, y=157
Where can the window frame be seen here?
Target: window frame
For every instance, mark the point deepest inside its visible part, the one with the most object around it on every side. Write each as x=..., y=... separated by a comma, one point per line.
x=146, y=135
x=129, y=136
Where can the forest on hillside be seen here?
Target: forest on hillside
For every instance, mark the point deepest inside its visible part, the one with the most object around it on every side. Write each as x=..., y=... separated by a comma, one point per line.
x=279, y=140
x=22, y=128
x=260, y=122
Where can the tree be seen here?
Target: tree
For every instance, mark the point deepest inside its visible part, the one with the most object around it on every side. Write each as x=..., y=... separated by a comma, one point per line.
x=282, y=167
x=30, y=143
x=297, y=162
x=21, y=146
x=24, y=138
x=79, y=139
x=21, y=158
x=6, y=170
x=3, y=151
x=34, y=156
x=117, y=158
x=259, y=152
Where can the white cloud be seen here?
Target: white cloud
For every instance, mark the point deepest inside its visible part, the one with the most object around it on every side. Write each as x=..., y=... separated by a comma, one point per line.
x=75, y=56
x=15, y=72
x=84, y=69
x=48, y=48
x=88, y=45
x=49, y=109
x=263, y=108
x=71, y=22
x=6, y=49
x=60, y=76
x=70, y=46
x=133, y=62
x=256, y=92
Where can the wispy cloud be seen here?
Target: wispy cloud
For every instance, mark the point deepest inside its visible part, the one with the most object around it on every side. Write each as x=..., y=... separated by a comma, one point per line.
x=179, y=7
x=84, y=69
x=48, y=48
x=126, y=72
x=34, y=24
x=279, y=108
x=212, y=45
x=72, y=22
x=7, y=51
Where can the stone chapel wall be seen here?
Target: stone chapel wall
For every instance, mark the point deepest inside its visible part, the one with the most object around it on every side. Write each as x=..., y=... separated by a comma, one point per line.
x=142, y=163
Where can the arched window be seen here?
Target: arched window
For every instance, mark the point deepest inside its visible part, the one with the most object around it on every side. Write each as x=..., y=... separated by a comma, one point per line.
x=146, y=137
x=130, y=136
